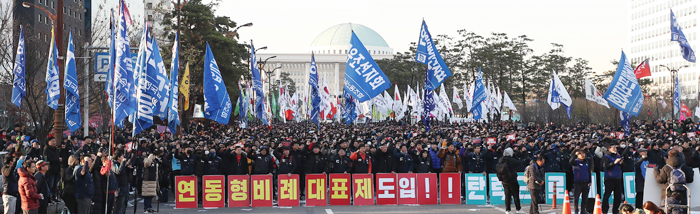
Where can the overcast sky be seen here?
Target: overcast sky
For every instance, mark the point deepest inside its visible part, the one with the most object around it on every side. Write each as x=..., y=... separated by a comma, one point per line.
x=595, y=30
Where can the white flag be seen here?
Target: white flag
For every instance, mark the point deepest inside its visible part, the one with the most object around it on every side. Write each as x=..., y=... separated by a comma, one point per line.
x=456, y=98
x=325, y=105
x=557, y=93
x=468, y=95
x=697, y=111
x=398, y=103
x=507, y=102
x=494, y=100
x=445, y=99
x=592, y=94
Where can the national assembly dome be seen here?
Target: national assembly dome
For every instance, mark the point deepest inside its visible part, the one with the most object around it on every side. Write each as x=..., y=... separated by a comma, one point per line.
x=336, y=40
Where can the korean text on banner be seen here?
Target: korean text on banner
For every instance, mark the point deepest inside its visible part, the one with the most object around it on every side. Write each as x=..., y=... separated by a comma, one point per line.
x=450, y=188
x=560, y=179
x=238, y=191
x=427, y=188
x=630, y=191
x=624, y=92
x=475, y=184
x=386, y=189
x=363, y=191
x=288, y=190
x=406, y=188
x=363, y=78
x=262, y=190
x=316, y=190
x=185, y=192
x=339, y=189
x=213, y=190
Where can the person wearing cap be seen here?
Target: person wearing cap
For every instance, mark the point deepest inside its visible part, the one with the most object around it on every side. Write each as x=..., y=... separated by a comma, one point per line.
x=262, y=162
x=287, y=165
x=42, y=185
x=612, y=166
x=384, y=160
x=52, y=156
x=582, y=171
x=238, y=161
x=436, y=161
x=640, y=169
x=339, y=163
x=362, y=162
x=404, y=160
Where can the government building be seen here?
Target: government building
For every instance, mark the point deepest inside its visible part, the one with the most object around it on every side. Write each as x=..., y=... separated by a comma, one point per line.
x=330, y=49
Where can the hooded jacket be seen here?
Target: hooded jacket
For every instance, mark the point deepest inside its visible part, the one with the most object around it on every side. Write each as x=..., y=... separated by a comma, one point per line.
x=663, y=173
x=27, y=190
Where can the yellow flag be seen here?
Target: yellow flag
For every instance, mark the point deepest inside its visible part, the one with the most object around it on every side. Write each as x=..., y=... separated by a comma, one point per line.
x=185, y=86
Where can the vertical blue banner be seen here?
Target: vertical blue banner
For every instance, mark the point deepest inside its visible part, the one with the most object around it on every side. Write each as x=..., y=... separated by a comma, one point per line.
x=475, y=184
x=560, y=178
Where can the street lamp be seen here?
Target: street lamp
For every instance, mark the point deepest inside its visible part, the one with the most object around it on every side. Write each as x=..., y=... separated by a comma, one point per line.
x=262, y=48
x=57, y=20
x=674, y=74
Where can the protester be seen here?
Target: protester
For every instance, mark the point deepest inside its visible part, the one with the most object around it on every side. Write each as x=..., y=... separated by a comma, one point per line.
x=613, y=179
x=582, y=170
x=509, y=178
x=27, y=188
x=84, y=183
x=535, y=183
x=10, y=191
x=42, y=185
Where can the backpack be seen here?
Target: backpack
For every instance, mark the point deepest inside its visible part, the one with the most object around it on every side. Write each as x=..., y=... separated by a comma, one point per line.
x=503, y=172
x=676, y=179
x=526, y=176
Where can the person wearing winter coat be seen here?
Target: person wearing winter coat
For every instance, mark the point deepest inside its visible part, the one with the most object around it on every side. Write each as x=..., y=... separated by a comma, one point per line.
x=69, y=186
x=404, y=160
x=85, y=187
x=10, y=191
x=384, y=160
x=582, y=167
x=120, y=173
x=451, y=162
x=339, y=163
x=474, y=161
x=436, y=161
x=27, y=188
x=53, y=157
x=42, y=185
x=422, y=162
x=262, y=162
x=663, y=173
x=511, y=188
x=535, y=183
x=150, y=179
x=640, y=168
x=612, y=166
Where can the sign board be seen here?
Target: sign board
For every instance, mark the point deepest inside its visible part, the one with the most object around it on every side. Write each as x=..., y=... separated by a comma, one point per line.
x=316, y=190
x=102, y=65
x=450, y=188
x=475, y=184
x=185, y=192
x=213, y=190
x=427, y=190
x=363, y=193
x=261, y=190
x=288, y=190
x=238, y=191
x=560, y=179
x=386, y=189
x=339, y=189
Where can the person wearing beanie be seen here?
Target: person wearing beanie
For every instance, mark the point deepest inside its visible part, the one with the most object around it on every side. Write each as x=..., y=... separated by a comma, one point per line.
x=505, y=171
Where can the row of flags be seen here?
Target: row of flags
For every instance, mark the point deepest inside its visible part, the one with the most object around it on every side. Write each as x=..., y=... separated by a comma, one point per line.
x=143, y=89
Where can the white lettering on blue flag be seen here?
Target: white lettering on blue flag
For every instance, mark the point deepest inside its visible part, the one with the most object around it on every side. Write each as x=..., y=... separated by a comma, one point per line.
x=427, y=54
x=363, y=78
x=677, y=35
x=624, y=92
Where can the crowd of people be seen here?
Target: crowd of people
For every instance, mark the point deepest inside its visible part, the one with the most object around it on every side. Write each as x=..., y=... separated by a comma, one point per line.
x=91, y=175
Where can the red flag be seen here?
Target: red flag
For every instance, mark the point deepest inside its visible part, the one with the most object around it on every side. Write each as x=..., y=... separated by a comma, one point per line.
x=649, y=112
x=642, y=70
x=685, y=110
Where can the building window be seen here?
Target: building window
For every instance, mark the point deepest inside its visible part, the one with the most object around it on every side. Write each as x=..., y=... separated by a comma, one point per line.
x=150, y=17
x=41, y=1
x=150, y=5
x=52, y=6
x=64, y=10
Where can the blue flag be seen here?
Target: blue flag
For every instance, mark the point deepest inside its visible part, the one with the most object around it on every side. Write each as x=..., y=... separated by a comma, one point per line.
x=428, y=106
x=363, y=78
x=124, y=103
x=428, y=54
x=163, y=83
x=257, y=85
x=19, y=86
x=568, y=110
x=624, y=92
x=70, y=83
x=479, y=93
x=349, y=110
x=677, y=97
x=53, y=86
x=625, y=121
x=677, y=35
x=217, y=104
x=109, y=84
x=173, y=105
x=146, y=89
x=315, y=98
x=243, y=114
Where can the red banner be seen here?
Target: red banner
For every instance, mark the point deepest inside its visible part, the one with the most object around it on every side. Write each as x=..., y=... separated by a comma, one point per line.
x=340, y=189
x=238, y=191
x=427, y=188
x=386, y=189
x=262, y=190
x=185, y=192
x=288, y=190
x=450, y=190
x=363, y=193
x=213, y=190
x=407, y=188
x=316, y=190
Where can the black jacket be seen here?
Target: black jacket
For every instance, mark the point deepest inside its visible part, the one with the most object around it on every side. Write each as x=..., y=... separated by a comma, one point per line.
x=42, y=186
x=262, y=164
x=238, y=164
x=404, y=163
x=314, y=163
x=490, y=161
x=121, y=175
x=512, y=165
x=422, y=165
x=337, y=164
x=51, y=154
x=69, y=186
x=383, y=162
x=10, y=181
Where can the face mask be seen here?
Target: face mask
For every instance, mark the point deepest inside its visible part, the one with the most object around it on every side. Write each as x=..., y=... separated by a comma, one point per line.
x=206, y=152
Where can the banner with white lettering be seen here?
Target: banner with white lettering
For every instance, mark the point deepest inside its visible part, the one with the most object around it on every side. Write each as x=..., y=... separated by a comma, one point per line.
x=475, y=184
x=363, y=78
x=427, y=188
x=407, y=188
x=450, y=188
x=386, y=189
x=624, y=92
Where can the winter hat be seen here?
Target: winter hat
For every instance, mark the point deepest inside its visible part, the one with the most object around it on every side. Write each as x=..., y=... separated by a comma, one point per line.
x=508, y=152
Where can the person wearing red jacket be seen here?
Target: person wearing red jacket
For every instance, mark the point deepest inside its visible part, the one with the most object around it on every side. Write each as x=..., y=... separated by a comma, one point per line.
x=27, y=188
